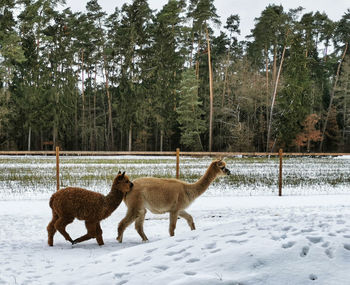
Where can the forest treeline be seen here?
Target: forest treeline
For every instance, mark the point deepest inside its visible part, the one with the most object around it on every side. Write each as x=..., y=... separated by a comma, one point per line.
x=139, y=79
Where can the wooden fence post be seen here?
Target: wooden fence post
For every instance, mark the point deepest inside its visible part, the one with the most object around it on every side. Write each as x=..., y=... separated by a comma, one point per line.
x=177, y=163
x=280, y=174
x=57, y=167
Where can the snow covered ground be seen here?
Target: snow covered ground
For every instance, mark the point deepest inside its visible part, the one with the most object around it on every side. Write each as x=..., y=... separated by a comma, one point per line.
x=245, y=233
x=239, y=240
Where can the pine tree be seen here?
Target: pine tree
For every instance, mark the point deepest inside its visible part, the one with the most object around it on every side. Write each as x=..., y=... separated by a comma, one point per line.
x=168, y=58
x=189, y=112
x=10, y=53
x=202, y=12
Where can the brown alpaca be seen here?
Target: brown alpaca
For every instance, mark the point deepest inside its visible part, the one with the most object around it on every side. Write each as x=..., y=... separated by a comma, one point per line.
x=92, y=207
x=166, y=195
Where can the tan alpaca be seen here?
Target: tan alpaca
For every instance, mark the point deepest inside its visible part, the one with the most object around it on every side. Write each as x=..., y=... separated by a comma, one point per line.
x=161, y=195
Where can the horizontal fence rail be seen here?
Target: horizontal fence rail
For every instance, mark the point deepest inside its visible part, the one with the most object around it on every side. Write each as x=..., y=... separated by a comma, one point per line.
x=167, y=153
x=221, y=155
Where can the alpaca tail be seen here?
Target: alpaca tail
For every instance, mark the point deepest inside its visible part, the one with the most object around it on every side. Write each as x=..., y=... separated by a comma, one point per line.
x=51, y=201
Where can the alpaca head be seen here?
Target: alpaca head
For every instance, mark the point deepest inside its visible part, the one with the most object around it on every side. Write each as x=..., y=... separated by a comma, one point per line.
x=220, y=167
x=122, y=183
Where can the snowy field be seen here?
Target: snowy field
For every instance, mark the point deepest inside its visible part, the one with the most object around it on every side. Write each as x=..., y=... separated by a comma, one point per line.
x=34, y=177
x=256, y=238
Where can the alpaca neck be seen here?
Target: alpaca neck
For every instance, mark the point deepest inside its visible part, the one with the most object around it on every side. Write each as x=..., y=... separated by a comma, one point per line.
x=113, y=200
x=203, y=183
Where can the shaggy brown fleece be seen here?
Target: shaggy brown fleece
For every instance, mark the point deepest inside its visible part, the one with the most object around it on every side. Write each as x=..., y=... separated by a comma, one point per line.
x=92, y=207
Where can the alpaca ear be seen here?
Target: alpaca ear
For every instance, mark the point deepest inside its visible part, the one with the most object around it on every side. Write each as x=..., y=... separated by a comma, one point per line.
x=119, y=172
x=123, y=174
x=220, y=163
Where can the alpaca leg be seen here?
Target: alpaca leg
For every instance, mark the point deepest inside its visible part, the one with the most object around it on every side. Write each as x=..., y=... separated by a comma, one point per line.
x=124, y=223
x=188, y=218
x=91, y=232
x=51, y=230
x=172, y=224
x=61, y=224
x=139, y=225
x=99, y=238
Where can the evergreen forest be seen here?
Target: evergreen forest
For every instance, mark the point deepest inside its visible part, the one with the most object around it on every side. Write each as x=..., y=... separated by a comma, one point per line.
x=140, y=79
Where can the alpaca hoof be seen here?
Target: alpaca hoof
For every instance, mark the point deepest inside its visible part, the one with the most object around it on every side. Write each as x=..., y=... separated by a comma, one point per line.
x=119, y=239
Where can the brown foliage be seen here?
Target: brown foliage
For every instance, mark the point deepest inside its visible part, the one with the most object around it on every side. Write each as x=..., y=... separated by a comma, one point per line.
x=309, y=133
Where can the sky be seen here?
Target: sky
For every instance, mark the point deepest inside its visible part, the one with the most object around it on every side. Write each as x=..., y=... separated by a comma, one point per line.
x=248, y=10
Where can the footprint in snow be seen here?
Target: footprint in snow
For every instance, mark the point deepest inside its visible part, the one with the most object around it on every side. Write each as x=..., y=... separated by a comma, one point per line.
x=288, y=244
x=180, y=240
x=346, y=236
x=312, y=277
x=190, y=273
x=286, y=229
x=151, y=250
x=240, y=234
x=210, y=245
x=148, y=258
x=308, y=230
x=315, y=239
x=135, y=263
x=192, y=260
x=161, y=267
x=258, y=264
x=182, y=257
x=329, y=252
x=275, y=238
x=225, y=235
x=215, y=250
x=304, y=251
x=120, y=275
x=341, y=231
x=347, y=246
x=237, y=241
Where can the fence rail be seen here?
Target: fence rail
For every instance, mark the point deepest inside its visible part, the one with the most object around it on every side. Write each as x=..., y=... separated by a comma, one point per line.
x=176, y=153
x=167, y=153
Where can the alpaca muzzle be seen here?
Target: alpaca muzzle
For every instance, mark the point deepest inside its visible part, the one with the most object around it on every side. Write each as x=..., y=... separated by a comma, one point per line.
x=226, y=171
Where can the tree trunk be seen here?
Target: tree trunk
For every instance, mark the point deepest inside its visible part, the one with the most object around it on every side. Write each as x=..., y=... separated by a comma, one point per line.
x=76, y=131
x=197, y=61
x=211, y=95
x=161, y=140
x=274, y=70
x=130, y=138
x=267, y=90
x=274, y=99
x=225, y=79
x=83, y=102
x=29, y=137
x=110, y=124
x=95, y=126
x=332, y=95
